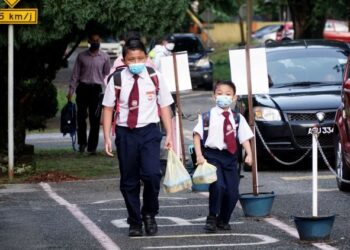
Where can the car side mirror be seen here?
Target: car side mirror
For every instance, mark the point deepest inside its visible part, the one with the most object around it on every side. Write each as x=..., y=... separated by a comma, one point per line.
x=347, y=85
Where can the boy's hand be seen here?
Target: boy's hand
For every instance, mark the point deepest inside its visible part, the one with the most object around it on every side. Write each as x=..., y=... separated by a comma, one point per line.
x=200, y=160
x=248, y=160
x=108, y=147
x=168, y=144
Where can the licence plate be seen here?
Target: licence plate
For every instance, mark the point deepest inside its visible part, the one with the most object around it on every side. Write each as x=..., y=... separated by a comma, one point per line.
x=322, y=130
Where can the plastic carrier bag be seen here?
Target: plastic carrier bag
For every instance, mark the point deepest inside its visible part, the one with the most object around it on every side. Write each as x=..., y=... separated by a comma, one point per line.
x=204, y=174
x=176, y=176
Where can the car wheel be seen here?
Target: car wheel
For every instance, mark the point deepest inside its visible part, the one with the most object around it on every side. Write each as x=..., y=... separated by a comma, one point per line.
x=341, y=168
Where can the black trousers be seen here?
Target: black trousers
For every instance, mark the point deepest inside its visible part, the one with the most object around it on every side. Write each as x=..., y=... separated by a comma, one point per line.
x=138, y=153
x=87, y=102
x=224, y=193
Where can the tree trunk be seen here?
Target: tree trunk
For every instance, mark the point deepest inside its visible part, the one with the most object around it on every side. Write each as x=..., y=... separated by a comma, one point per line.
x=308, y=24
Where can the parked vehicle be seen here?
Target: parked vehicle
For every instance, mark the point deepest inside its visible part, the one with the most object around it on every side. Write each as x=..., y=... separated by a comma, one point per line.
x=111, y=46
x=201, y=67
x=336, y=30
x=305, y=84
x=274, y=32
x=342, y=134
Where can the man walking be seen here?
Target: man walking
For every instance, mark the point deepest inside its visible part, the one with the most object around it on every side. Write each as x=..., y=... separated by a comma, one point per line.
x=88, y=75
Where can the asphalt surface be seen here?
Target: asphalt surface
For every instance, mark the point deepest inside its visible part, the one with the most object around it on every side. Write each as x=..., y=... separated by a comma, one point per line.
x=92, y=215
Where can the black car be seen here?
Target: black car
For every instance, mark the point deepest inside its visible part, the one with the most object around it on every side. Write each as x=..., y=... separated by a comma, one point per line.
x=305, y=79
x=201, y=68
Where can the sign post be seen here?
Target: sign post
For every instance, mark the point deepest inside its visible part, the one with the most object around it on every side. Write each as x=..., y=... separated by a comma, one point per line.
x=11, y=17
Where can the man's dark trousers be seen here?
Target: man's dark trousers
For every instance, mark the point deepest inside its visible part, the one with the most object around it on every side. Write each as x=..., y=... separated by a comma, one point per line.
x=138, y=152
x=224, y=193
x=87, y=103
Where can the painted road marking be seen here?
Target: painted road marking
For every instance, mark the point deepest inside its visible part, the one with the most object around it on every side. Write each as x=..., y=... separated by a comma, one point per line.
x=286, y=228
x=122, y=199
x=160, y=207
x=301, y=178
x=94, y=230
x=122, y=223
x=264, y=240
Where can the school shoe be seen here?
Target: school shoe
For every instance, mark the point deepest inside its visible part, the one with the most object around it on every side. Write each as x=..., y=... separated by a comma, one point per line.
x=135, y=230
x=222, y=225
x=150, y=223
x=210, y=224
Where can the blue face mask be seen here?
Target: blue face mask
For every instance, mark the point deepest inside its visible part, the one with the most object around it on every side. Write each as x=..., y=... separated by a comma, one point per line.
x=136, y=68
x=223, y=101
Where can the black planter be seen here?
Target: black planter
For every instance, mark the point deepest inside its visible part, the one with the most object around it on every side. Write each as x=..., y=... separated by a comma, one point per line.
x=314, y=228
x=257, y=205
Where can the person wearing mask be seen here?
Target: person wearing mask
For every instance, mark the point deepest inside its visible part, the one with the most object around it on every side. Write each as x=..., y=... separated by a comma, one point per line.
x=141, y=106
x=163, y=49
x=90, y=69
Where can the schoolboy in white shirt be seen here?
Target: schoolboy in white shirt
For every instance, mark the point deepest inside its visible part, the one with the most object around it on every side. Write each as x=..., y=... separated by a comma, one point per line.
x=220, y=149
x=138, y=136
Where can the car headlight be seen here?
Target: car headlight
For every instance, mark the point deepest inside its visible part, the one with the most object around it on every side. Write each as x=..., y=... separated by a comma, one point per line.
x=203, y=62
x=266, y=114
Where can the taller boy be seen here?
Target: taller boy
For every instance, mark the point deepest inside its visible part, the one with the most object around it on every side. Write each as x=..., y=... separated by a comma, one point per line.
x=138, y=135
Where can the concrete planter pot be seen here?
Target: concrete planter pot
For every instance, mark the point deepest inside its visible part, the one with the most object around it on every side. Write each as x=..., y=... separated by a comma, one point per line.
x=257, y=205
x=314, y=228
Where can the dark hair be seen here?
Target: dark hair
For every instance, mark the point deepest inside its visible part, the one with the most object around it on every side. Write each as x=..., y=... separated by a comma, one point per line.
x=227, y=83
x=133, y=44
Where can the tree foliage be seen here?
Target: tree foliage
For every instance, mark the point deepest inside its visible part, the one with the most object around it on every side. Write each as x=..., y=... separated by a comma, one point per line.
x=39, y=49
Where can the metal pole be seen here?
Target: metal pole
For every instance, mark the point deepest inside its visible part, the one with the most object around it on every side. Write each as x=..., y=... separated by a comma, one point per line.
x=250, y=98
x=314, y=173
x=178, y=105
x=10, y=103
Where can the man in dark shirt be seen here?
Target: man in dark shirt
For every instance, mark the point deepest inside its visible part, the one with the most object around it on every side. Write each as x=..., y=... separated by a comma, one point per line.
x=90, y=69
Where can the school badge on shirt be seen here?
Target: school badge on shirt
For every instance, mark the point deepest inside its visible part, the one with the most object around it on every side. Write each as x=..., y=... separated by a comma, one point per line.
x=150, y=95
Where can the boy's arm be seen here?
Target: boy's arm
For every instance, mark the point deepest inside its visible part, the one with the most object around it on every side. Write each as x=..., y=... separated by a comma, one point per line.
x=107, y=121
x=197, y=147
x=166, y=119
x=249, y=156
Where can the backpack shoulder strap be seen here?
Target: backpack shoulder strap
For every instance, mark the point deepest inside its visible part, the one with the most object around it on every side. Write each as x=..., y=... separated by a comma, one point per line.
x=236, y=117
x=152, y=73
x=205, y=122
x=117, y=79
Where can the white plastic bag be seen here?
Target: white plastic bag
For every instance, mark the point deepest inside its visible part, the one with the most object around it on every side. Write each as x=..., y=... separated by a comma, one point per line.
x=176, y=176
x=204, y=174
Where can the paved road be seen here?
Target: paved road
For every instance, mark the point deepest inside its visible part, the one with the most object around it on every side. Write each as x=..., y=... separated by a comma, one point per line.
x=92, y=215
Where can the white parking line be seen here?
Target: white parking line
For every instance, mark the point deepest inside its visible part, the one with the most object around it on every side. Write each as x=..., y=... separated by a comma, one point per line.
x=160, y=207
x=94, y=230
x=264, y=240
x=122, y=199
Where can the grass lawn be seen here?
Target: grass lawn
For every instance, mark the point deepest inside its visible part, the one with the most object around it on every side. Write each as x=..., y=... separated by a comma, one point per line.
x=62, y=164
x=221, y=62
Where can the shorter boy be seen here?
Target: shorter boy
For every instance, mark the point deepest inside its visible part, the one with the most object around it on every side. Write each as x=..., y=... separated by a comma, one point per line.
x=220, y=150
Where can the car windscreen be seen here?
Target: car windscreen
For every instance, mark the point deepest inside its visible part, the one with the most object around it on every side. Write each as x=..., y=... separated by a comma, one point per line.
x=306, y=66
x=190, y=44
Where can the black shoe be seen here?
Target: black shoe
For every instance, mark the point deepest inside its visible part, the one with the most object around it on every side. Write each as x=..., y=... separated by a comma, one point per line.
x=135, y=230
x=222, y=225
x=210, y=224
x=150, y=223
x=82, y=148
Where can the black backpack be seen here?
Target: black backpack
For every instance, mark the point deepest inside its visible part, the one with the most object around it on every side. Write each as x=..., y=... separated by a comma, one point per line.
x=69, y=121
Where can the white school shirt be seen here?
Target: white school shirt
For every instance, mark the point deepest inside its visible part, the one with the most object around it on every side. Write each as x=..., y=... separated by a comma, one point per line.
x=148, y=109
x=215, y=137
